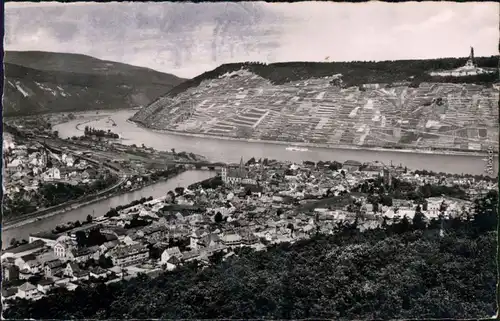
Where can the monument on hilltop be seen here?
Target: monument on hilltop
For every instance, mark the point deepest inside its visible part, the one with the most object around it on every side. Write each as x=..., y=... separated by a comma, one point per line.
x=470, y=62
x=469, y=69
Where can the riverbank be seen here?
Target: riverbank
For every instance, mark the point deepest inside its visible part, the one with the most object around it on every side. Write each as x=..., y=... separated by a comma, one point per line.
x=156, y=190
x=78, y=203
x=312, y=145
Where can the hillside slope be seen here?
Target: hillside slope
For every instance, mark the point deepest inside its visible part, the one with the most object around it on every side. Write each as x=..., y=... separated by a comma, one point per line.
x=41, y=82
x=373, y=104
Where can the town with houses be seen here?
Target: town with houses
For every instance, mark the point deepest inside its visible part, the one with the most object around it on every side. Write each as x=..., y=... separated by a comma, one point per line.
x=29, y=164
x=250, y=204
x=95, y=167
x=34, y=172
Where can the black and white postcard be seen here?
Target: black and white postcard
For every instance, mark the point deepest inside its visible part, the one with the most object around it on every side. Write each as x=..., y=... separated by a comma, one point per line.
x=250, y=160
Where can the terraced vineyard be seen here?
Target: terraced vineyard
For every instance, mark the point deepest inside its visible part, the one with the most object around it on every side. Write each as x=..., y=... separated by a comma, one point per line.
x=245, y=105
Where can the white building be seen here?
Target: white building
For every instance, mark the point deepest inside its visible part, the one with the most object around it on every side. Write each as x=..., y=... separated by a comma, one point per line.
x=28, y=291
x=52, y=174
x=169, y=253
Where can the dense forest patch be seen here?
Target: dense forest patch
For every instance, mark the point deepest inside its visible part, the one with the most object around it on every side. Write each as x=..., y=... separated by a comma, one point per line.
x=353, y=73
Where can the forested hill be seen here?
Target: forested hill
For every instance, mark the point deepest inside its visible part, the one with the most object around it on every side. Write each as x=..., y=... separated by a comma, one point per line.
x=403, y=270
x=40, y=82
x=353, y=73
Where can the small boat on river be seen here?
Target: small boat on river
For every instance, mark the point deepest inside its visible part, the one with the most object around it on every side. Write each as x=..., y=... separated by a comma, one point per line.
x=297, y=149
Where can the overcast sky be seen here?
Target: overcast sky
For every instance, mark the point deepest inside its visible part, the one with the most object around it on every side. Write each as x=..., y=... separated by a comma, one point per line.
x=188, y=39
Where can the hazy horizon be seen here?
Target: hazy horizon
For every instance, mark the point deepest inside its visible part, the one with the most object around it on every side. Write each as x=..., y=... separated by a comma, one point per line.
x=188, y=39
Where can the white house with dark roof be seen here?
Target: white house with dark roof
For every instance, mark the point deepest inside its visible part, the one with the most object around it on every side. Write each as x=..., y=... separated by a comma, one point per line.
x=98, y=272
x=231, y=239
x=73, y=271
x=195, y=238
x=45, y=285
x=52, y=174
x=190, y=256
x=28, y=291
x=129, y=254
x=209, y=240
x=172, y=263
x=169, y=253
x=54, y=268
x=33, y=266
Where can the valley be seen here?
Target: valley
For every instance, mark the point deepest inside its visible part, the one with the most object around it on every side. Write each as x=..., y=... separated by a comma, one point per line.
x=45, y=82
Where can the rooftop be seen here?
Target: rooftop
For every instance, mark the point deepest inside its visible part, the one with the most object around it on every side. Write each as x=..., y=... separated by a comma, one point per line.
x=26, y=247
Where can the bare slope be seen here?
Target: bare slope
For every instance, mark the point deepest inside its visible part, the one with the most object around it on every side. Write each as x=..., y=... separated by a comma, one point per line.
x=40, y=82
x=387, y=104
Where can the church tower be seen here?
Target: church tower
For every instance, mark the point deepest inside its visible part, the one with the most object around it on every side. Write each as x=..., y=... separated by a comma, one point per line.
x=242, y=167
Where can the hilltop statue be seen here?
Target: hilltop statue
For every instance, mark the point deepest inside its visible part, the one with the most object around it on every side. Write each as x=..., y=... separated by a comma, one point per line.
x=469, y=69
x=470, y=62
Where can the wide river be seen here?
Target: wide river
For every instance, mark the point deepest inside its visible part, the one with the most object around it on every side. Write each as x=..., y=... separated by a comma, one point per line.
x=100, y=208
x=231, y=151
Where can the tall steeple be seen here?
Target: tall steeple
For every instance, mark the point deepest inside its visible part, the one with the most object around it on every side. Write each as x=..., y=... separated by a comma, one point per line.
x=242, y=166
x=471, y=57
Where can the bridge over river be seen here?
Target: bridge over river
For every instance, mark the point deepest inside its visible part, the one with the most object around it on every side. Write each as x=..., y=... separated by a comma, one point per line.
x=202, y=165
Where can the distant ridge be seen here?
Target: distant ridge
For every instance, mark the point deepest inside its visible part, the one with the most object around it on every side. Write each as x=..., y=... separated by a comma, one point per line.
x=42, y=82
x=354, y=73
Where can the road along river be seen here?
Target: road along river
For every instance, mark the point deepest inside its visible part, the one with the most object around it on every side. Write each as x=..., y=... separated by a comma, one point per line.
x=100, y=208
x=232, y=150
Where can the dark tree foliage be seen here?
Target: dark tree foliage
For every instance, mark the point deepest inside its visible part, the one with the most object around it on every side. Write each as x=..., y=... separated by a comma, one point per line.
x=179, y=190
x=105, y=262
x=354, y=73
x=95, y=237
x=90, y=131
x=81, y=238
x=218, y=217
x=167, y=173
x=469, y=176
x=211, y=183
x=251, y=161
x=486, y=212
x=136, y=222
x=114, y=211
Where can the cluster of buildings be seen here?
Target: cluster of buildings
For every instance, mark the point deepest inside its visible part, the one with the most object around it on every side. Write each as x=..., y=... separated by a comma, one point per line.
x=244, y=105
x=29, y=164
x=256, y=206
